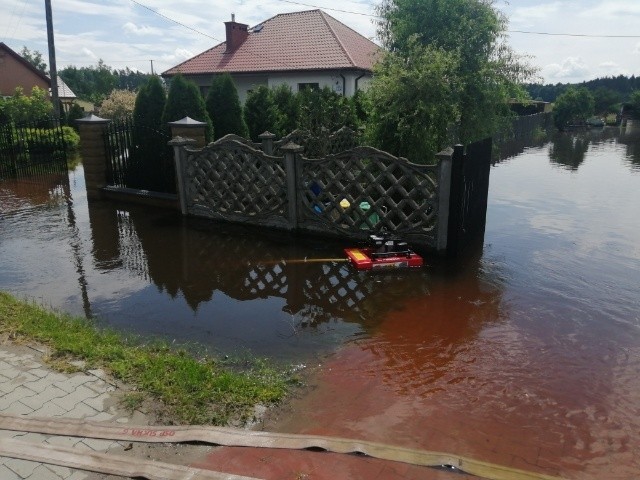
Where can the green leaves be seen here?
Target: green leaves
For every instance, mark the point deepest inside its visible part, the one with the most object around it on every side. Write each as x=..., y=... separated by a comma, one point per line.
x=575, y=105
x=22, y=108
x=414, y=101
x=447, y=77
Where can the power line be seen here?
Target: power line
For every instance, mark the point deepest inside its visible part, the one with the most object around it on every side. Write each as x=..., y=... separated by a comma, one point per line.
x=573, y=34
x=508, y=31
x=332, y=9
x=255, y=54
x=175, y=21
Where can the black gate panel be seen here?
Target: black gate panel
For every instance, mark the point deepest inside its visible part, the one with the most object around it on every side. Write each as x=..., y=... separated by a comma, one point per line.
x=469, y=192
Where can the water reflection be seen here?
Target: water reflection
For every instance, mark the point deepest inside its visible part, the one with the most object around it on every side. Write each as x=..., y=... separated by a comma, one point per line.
x=568, y=150
x=194, y=259
x=630, y=137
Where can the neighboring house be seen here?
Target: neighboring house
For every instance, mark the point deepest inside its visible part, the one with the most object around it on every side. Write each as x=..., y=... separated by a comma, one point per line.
x=307, y=49
x=15, y=71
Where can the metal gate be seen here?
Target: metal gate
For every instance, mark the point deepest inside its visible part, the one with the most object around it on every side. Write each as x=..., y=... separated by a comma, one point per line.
x=139, y=157
x=32, y=148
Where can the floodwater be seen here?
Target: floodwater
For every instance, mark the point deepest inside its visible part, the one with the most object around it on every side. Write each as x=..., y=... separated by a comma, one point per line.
x=525, y=354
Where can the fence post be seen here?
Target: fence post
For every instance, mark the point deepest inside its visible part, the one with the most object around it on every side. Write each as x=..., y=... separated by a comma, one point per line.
x=267, y=142
x=180, y=158
x=93, y=151
x=445, y=159
x=291, y=153
x=189, y=128
x=455, y=200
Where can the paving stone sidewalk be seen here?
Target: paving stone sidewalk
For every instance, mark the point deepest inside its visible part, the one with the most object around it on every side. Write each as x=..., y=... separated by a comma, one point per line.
x=29, y=387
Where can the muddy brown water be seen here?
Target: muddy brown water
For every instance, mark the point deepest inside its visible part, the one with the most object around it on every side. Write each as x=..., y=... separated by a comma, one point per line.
x=526, y=354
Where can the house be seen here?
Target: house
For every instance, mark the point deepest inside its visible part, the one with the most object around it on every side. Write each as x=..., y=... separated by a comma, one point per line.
x=308, y=49
x=15, y=71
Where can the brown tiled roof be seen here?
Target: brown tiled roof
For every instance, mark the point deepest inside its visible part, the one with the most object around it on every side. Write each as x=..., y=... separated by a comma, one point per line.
x=310, y=40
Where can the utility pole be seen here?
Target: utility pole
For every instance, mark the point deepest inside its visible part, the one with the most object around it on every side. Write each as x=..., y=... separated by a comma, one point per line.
x=52, y=60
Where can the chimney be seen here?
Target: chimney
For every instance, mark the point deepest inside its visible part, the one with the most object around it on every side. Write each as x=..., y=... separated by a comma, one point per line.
x=236, y=34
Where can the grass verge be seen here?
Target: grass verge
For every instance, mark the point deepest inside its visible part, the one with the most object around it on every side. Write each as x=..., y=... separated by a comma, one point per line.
x=192, y=391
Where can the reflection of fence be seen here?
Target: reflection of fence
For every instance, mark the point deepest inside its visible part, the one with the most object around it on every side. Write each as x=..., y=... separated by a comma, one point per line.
x=241, y=266
x=525, y=127
x=32, y=148
x=138, y=157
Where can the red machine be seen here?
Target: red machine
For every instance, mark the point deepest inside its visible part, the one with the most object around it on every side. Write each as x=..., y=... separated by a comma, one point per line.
x=383, y=253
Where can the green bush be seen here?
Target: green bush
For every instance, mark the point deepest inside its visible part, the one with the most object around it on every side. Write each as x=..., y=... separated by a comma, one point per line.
x=260, y=112
x=224, y=109
x=575, y=105
x=39, y=140
x=287, y=110
x=76, y=112
x=22, y=108
x=71, y=138
x=324, y=110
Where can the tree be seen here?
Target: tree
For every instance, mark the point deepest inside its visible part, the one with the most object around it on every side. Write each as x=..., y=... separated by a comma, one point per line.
x=118, y=104
x=287, y=110
x=487, y=71
x=34, y=58
x=184, y=100
x=150, y=104
x=92, y=84
x=260, y=112
x=606, y=100
x=128, y=79
x=224, y=109
x=575, y=105
x=413, y=102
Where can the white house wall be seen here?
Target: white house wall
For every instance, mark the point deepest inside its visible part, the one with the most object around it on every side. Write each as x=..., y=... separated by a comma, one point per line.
x=332, y=79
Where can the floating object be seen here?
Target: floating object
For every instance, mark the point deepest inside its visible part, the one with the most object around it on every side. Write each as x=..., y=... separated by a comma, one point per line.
x=384, y=252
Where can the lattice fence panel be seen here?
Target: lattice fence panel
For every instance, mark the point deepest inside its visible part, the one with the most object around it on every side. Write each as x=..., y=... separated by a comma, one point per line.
x=365, y=190
x=231, y=180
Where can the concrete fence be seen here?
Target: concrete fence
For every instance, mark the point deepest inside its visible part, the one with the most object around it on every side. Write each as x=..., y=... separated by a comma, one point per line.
x=349, y=192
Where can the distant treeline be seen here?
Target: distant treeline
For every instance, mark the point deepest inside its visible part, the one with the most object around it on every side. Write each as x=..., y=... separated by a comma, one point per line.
x=619, y=87
x=95, y=83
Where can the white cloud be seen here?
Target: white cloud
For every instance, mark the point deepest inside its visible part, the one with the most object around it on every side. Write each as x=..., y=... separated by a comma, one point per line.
x=141, y=30
x=611, y=69
x=526, y=16
x=570, y=68
x=612, y=9
x=89, y=53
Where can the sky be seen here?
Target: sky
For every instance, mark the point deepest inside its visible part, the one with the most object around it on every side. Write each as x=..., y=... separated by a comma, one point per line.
x=127, y=33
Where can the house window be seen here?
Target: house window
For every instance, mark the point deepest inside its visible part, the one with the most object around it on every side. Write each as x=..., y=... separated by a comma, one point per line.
x=308, y=86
